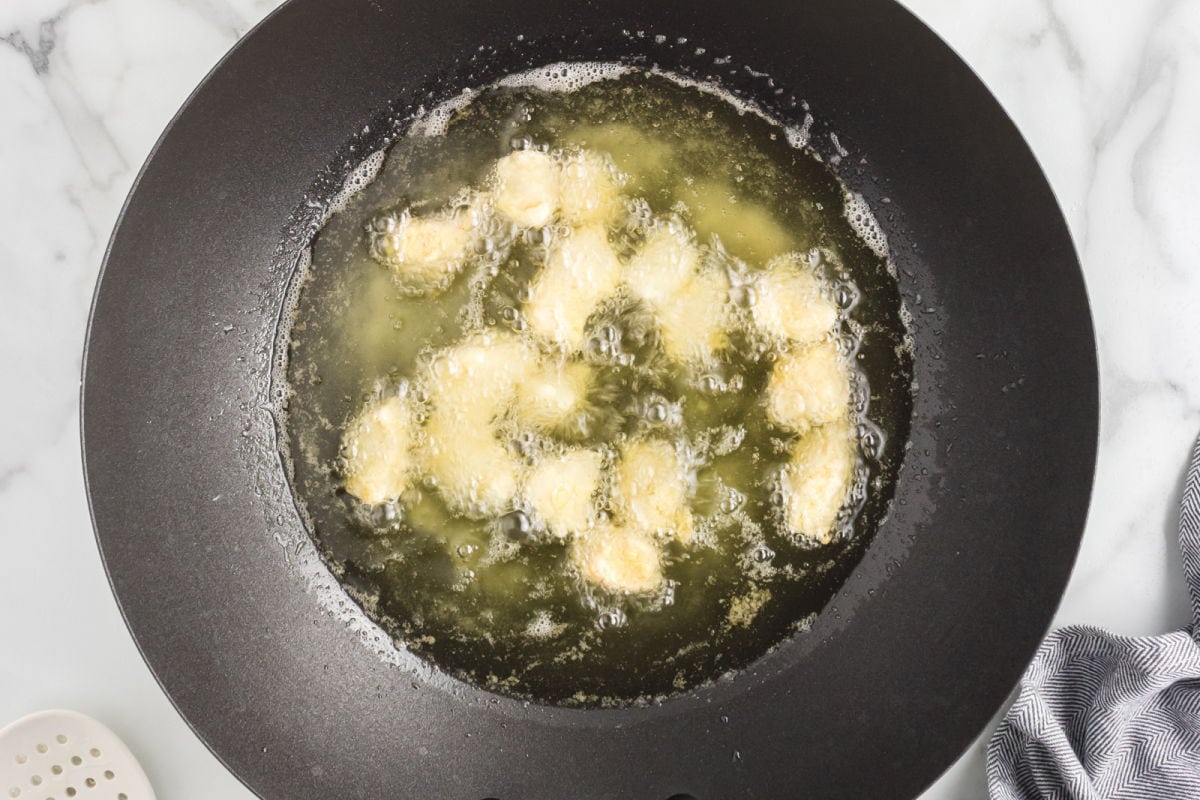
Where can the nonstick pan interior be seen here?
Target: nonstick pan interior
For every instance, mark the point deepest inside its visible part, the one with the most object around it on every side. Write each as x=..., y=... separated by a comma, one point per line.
x=207, y=555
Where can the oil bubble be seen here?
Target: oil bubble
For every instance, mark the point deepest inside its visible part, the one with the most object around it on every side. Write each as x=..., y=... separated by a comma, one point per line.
x=732, y=501
x=762, y=554
x=516, y=525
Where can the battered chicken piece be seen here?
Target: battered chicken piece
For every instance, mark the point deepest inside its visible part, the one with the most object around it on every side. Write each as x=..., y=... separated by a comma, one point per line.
x=666, y=262
x=473, y=471
x=689, y=304
x=527, y=188
x=426, y=253
x=621, y=560
x=375, y=449
x=478, y=377
x=817, y=480
x=581, y=270
x=808, y=386
x=695, y=323
x=470, y=384
x=553, y=396
x=790, y=304
x=561, y=489
x=651, y=491
x=588, y=190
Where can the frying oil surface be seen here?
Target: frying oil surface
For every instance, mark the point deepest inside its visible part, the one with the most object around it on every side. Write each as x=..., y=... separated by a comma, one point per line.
x=590, y=390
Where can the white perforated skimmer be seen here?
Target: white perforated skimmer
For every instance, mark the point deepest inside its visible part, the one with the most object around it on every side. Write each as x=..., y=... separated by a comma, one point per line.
x=64, y=755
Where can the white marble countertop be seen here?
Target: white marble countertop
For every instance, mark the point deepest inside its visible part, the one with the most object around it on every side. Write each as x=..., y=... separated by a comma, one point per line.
x=1108, y=94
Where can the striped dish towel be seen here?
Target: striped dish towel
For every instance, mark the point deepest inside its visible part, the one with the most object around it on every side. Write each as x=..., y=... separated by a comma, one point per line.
x=1103, y=717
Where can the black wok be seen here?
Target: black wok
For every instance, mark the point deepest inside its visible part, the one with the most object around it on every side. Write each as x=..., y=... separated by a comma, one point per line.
x=206, y=552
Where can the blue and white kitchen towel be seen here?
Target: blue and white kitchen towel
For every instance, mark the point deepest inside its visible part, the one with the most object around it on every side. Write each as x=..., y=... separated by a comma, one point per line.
x=1104, y=717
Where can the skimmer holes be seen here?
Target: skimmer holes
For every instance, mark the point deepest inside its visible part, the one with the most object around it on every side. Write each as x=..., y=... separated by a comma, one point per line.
x=61, y=764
